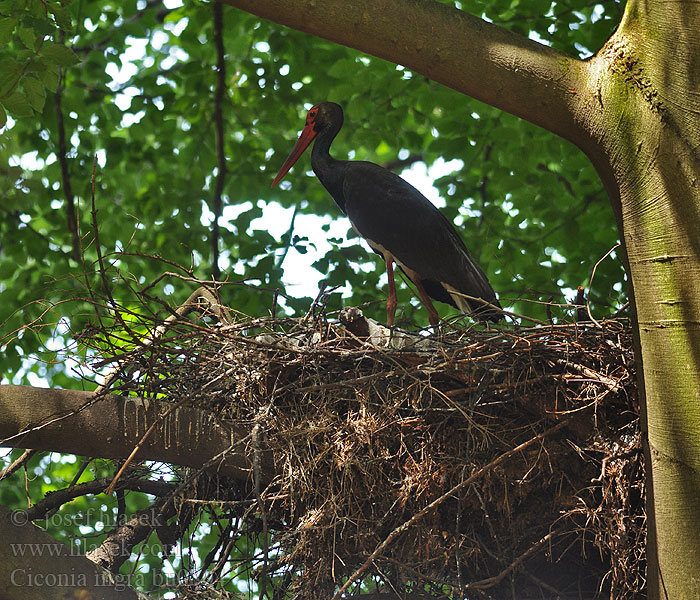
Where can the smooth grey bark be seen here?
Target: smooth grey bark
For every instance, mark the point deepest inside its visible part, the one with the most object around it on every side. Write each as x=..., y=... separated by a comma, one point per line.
x=110, y=426
x=35, y=565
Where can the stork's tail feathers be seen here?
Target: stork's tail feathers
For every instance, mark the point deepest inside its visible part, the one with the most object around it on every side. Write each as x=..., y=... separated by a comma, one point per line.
x=486, y=307
x=488, y=312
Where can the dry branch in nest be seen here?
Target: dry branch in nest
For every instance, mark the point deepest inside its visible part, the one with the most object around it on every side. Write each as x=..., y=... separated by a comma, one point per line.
x=468, y=464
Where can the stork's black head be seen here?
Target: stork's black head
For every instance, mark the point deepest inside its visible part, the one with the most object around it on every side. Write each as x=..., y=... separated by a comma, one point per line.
x=325, y=114
x=324, y=117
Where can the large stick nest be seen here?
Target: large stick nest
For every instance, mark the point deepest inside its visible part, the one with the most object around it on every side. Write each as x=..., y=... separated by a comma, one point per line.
x=367, y=431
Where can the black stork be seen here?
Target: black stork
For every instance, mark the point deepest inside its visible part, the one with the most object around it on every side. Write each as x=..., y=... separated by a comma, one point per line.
x=398, y=222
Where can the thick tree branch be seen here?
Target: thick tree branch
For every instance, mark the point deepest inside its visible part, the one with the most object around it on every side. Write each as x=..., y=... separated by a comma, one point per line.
x=449, y=46
x=116, y=549
x=109, y=426
x=35, y=565
x=54, y=500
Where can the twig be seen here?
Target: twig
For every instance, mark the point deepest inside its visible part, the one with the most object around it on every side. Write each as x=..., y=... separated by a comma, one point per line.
x=488, y=305
x=80, y=471
x=458, y=525
x=116, y=549
x=219, y=131
x=55, y=500
x=318, y=301
x=548, y=310
x=289, y=236
x=140, y=444
x=109, y=549
x=223, y=551
x=17, y=464
x=580, y=303
x=552, y=590
x=611, y=384
x=98, y=250
x=65, y=174
x=421, y=513
x=183, y=310
x=257, y=449
x=590, y=283
x=496, y=579
x=619, y=311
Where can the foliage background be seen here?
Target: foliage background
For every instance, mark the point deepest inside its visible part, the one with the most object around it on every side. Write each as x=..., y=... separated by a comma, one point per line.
x=529, y=205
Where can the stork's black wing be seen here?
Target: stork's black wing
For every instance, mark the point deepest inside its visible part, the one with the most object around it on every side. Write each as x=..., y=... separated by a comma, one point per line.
x=392, y=214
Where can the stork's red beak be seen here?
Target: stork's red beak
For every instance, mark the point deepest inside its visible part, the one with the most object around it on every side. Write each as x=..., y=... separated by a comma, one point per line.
x=306, y=137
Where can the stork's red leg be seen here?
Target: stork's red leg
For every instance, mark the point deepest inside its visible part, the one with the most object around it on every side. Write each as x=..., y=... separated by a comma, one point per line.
x=433, y=316
x=391, y=300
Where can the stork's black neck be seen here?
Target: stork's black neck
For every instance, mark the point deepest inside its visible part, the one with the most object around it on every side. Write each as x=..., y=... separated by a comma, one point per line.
x=330, y=171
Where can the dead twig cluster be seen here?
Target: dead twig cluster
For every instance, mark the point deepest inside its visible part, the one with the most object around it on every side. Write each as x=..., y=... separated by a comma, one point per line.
x=468, y=464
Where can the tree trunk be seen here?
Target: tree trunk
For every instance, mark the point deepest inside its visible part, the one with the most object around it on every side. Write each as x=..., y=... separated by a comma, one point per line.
x=634, y=109
x=643, y=97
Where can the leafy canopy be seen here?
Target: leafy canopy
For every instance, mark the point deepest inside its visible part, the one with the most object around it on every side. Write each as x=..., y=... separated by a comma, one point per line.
x=134, y=84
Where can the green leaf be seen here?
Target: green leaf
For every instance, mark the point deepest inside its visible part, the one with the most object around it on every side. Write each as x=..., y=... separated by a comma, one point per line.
x=17, y=104
x=344, y=68
x=63, y=17
x=35, y=91
x=10, y=72
x=26, y=35
x=3, y=117
x=7, y=26
x=49, y=77
x=61, y=55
